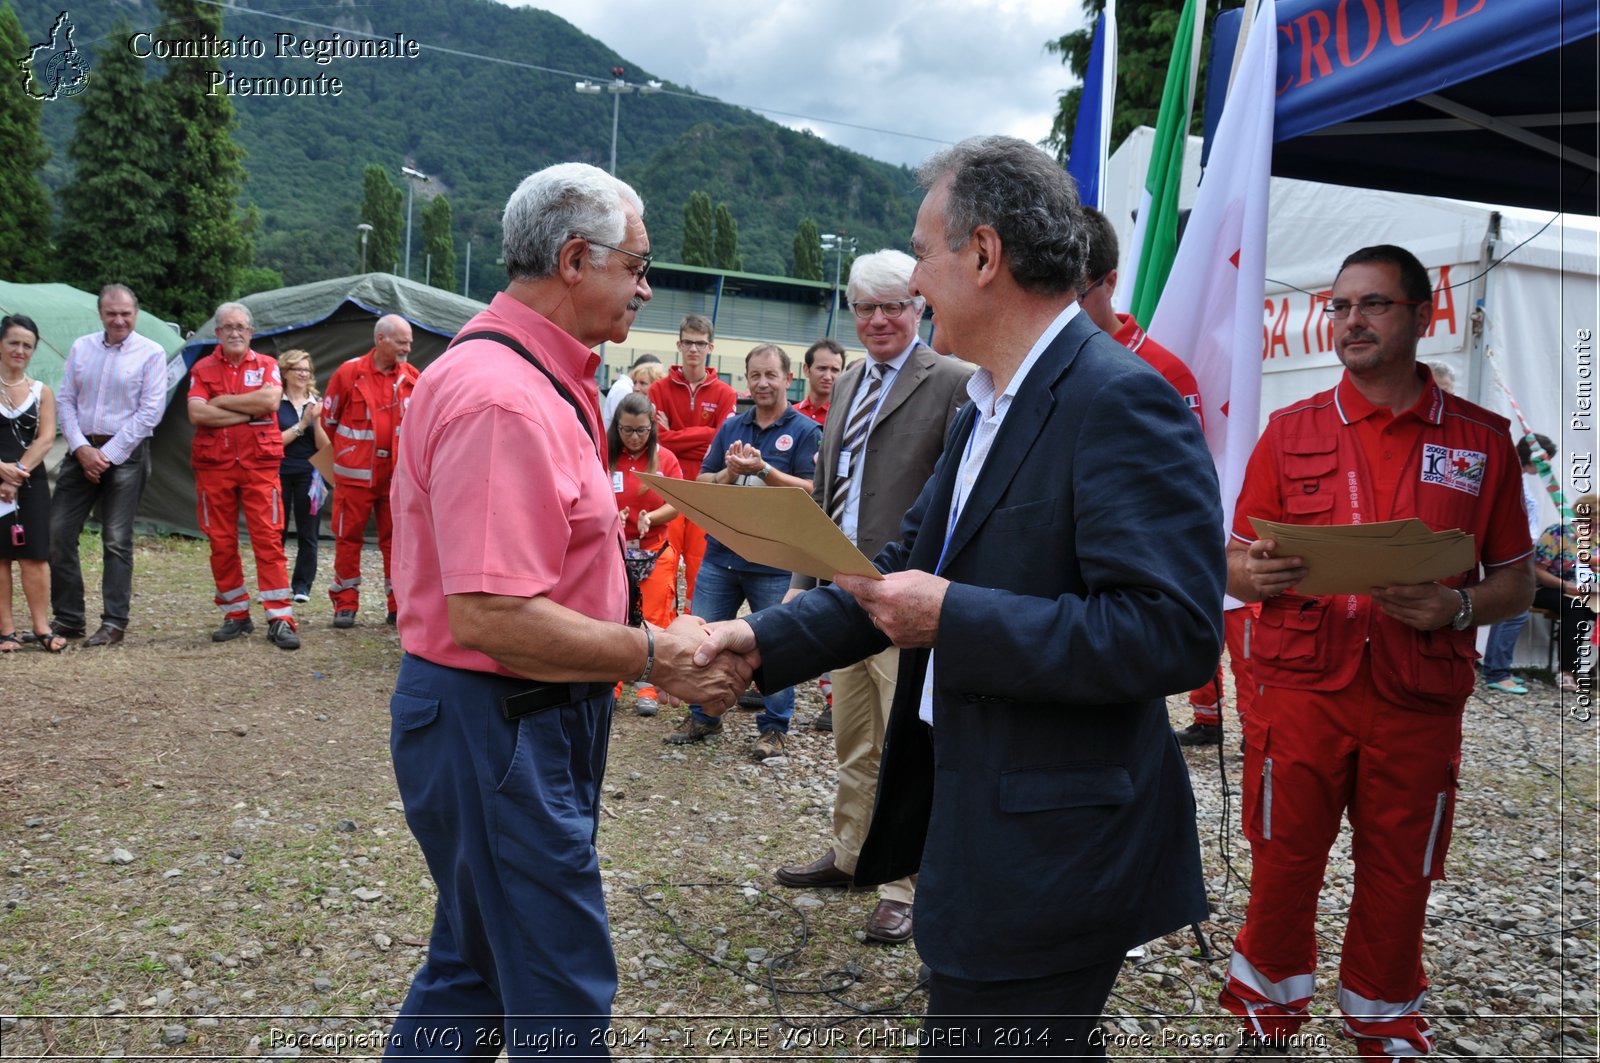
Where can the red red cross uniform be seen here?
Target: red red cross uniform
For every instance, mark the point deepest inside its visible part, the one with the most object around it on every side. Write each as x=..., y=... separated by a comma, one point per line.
x=1358, y=713
x=236, y=468
x=361, y=412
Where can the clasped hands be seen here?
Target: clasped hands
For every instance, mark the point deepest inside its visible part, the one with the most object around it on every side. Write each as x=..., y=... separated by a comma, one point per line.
x=905, y=606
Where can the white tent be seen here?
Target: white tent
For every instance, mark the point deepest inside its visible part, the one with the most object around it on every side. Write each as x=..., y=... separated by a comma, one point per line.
x=1535, y=276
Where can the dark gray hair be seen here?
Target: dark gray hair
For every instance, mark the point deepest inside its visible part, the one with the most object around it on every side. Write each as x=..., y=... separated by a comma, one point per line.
x=1025, y=196
x=116, y=289
x=556, y=204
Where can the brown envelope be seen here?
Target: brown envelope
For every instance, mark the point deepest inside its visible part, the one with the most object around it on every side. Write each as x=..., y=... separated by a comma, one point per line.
x=1358, y=558
x=778, y=526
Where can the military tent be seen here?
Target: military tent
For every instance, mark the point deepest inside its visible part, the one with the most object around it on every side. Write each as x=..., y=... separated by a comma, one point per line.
x=333, y=321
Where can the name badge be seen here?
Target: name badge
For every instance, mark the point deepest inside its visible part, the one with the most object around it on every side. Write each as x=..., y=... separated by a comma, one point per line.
x=843, y=469
x=616, y=483
x=252, y=378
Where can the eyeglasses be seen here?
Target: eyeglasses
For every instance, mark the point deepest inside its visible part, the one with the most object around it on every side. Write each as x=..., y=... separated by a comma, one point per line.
x=1093, y=286
x=1370, y=307
x=297, y=369
x=864, y=311
x=642, y=430
x=234, y=330
x=645, y=259
x=695, y=345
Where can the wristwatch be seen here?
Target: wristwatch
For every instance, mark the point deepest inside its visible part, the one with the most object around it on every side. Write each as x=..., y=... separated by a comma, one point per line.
x=765, y=470
x=1463, y=618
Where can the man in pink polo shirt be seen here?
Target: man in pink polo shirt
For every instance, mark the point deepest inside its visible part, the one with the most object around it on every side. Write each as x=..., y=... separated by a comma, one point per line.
x=513, y=604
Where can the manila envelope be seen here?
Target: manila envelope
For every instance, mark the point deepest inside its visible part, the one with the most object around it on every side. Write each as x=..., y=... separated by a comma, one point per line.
x=778, y=526
x=1356, y=559
x=322, y=461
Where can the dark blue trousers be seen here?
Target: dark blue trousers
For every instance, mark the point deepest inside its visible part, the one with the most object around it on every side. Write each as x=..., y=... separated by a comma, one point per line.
x=520, y=958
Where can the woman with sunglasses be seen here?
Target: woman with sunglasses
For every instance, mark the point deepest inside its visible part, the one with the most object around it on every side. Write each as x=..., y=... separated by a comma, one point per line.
x=633, y=448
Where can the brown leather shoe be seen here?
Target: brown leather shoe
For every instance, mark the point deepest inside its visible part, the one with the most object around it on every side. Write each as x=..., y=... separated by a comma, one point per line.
x=820, y=872
x=890, y=922
x=106, y=636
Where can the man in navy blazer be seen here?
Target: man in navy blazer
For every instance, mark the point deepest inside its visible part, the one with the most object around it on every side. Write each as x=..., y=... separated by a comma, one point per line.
x=1059, y=575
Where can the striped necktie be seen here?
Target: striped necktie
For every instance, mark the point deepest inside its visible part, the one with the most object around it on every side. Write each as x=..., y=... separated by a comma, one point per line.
x=855, y=436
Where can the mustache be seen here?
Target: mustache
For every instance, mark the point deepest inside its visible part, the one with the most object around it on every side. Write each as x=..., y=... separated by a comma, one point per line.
x=1361, y=337
x=635, y=303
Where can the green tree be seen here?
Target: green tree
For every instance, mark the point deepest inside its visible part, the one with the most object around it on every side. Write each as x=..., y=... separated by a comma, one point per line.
x=807, y=251
x=24, y=203
x=206, y=169
x=254, y=279
x=1145, y=30
x=725, y=240
x=697, y=230
x=116, y=220
x=437, y=241
x=382, y=207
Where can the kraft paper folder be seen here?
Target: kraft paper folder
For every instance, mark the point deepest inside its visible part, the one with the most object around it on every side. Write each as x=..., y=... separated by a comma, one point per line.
x=777, y=526
x=1357, y=558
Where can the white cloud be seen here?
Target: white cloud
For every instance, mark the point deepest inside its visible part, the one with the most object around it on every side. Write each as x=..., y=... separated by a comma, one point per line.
x=937, y=71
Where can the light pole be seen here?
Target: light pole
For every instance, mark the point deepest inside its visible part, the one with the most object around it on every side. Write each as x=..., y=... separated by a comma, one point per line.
x=617, y=86
x=411, y=189
x=364, y=228
x=838, y=243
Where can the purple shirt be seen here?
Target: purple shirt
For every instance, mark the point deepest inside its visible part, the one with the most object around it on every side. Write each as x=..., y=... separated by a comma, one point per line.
x=117, y=390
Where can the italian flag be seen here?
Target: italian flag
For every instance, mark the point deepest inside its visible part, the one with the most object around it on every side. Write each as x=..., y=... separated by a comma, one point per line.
x=1155, y=236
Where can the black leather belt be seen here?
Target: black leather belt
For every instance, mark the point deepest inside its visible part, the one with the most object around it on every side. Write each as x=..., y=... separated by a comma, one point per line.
x=537, y=697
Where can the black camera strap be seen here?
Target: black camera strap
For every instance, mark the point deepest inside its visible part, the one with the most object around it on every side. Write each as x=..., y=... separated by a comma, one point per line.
x=635, y=610
x=527, y=355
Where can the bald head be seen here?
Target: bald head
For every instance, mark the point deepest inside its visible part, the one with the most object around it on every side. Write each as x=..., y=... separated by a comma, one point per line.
x=391, y=341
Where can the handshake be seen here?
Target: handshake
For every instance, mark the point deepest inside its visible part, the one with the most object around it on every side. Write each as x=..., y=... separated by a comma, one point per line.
x=707, y=664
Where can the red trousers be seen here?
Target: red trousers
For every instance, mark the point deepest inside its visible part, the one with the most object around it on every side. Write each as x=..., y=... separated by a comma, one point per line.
x=353, y=504
x=1206, y=701
x=1309, y=758
x=689, y=540
x=222, y=493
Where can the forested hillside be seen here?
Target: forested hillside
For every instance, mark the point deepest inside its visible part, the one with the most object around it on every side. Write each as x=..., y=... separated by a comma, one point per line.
x=476, y=126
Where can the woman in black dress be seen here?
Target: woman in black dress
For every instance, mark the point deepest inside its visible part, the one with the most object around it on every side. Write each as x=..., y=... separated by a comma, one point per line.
x=302, y=437
x=27, y=428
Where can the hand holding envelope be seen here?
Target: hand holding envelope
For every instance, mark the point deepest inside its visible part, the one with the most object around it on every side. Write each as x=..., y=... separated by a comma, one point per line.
x=1360, y=558
x=777, y=526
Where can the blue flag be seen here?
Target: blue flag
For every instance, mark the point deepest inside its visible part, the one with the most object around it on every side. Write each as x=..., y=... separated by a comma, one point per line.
x=1091, y=131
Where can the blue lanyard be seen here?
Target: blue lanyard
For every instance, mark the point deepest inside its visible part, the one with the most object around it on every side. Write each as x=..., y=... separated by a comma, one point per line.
x=956, y=496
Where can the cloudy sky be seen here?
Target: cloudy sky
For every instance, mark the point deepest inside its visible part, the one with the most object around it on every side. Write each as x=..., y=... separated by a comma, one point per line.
x=936, y=70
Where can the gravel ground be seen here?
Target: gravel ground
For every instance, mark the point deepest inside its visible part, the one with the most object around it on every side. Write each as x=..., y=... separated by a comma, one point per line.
x=201, y=856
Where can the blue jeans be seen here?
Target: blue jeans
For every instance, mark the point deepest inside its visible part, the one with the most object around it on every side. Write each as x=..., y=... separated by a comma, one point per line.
x=1502, y=646
x=718, y=593
x=117, y=494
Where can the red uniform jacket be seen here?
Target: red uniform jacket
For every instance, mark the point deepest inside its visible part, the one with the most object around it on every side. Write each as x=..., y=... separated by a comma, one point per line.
x=694, y=413
x=257, y=444
x=1169, y=365
x=1309, y=468
x=361, y=413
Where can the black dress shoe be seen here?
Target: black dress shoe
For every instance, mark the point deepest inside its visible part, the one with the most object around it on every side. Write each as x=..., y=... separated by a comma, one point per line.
x=890, y=922
x=64, y=631
x=106, y=636
x=820, y=872
x=1200, y=734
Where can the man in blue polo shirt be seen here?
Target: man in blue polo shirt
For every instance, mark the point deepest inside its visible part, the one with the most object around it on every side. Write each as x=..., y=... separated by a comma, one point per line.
x=774, y=445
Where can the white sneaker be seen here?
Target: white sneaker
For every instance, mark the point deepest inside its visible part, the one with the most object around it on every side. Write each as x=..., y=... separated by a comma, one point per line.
x=302, y=597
